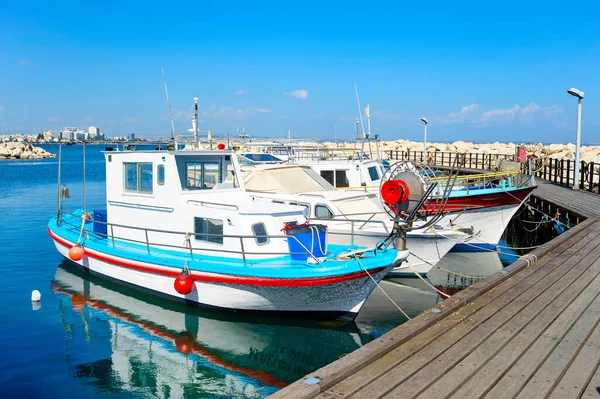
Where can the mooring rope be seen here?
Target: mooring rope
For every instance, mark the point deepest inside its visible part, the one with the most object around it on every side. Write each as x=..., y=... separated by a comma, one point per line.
x=427, y=282
x=384, y=293
x=445, y=270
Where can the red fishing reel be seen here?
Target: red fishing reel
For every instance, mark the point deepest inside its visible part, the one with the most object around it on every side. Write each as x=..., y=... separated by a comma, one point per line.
x=394, y=193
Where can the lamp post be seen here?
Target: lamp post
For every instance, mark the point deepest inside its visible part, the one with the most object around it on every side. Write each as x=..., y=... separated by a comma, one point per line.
x=425, y=121
x=579, y=94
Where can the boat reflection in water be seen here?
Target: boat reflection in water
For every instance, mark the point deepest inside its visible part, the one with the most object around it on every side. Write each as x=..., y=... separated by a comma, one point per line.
x=133, y=342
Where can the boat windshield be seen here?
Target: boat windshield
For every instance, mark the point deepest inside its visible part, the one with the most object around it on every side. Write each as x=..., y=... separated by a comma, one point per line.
x=258, y=157
x=288, y=180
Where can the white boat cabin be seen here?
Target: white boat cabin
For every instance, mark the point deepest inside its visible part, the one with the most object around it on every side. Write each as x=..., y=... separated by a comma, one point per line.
x=348, y=174
x=151, y=195
x=301, y=185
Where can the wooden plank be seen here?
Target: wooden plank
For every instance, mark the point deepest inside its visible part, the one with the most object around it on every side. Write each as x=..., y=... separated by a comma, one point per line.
x=593, y=387
x=346, y=366
x=579, y=374
x=503, y=361
x=500, y=296
x=521, y=371
x=561, y=357
x=431, y=363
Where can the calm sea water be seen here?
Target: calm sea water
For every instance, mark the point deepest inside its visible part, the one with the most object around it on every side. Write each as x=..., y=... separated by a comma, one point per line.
x=90, y=338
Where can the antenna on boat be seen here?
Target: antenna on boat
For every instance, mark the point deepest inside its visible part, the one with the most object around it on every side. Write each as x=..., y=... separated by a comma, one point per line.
x=84, y=192
x=168, y=104
x=59, y=193
x=359, y=111
x=196, y=122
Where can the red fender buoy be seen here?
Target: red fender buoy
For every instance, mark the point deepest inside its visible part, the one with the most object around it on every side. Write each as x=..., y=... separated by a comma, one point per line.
x=221, y=146
x=76, y=253
x=184, y=283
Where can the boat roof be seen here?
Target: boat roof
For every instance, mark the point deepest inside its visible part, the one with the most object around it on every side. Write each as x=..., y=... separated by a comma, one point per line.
x=284, y=179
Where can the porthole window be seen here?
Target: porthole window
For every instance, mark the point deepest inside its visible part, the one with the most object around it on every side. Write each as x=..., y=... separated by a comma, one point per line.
x=160, y=174
x=260, y=232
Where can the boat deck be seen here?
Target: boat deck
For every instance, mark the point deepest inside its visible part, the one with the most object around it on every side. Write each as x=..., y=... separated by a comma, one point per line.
x=529, y=331
x=581, y=202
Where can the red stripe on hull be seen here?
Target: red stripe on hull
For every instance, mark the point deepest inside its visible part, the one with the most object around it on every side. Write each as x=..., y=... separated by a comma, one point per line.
x=474, y=201
x=218, y=278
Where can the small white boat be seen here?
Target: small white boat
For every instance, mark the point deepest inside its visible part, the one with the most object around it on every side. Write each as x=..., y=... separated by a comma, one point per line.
x=352, y=218
x=179, y=224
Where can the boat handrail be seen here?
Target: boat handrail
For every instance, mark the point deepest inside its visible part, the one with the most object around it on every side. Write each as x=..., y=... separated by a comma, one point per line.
x=141, y=206
x=147, y=242
x=204, y=203
x=468, y=178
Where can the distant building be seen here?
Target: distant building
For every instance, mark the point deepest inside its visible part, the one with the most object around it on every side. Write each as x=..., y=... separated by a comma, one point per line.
x=132, y=136
x=93, y=133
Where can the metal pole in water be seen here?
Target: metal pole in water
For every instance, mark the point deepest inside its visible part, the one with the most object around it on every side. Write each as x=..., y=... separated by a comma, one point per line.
x=84, y=177
x=58, y=195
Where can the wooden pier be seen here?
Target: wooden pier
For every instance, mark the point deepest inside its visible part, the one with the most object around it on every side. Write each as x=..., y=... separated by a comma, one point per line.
x=529, y=331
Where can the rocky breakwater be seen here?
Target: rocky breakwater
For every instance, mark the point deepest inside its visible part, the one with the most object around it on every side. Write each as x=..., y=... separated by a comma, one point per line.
x=16, y=150
x=556, y=151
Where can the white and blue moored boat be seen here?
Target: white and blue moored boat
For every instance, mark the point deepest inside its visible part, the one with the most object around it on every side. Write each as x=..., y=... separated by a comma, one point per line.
x=179, y=224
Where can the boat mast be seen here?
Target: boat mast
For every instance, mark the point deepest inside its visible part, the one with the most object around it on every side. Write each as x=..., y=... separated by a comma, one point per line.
x=168, y=104
x=196, y=123
x=362, y=148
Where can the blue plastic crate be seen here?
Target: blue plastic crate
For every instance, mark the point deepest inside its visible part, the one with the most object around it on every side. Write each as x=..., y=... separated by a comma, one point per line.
x=313, y=237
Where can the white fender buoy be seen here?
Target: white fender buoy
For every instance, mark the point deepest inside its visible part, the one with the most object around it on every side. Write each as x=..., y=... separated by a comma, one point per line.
x=36, y=296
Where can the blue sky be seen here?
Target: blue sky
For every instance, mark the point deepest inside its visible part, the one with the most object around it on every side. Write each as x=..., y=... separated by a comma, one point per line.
x=479, y=71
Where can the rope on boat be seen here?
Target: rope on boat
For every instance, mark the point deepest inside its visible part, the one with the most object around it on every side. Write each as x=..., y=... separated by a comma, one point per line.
x=84, y=217
x=427, y=282
x=384, y=293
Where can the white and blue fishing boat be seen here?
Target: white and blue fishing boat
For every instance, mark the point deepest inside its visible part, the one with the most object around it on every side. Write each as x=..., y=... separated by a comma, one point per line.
x=179, y=224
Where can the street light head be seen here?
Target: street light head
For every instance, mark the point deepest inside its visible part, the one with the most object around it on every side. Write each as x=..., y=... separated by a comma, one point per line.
x=575, y=92
x=424, y=120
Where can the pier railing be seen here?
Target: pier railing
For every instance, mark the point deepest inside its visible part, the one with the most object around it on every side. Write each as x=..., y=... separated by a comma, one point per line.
x=558, y=171
x=476, y=160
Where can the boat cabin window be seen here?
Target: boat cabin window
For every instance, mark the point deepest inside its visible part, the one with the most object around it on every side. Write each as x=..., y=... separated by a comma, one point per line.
x=206, y=172
x=201, y=175
x=323, y=211
x=138, y=177
x=341, y=179
x=209, y=230
x=373, y=173
x=160, y=174
x=337, y=178
x=328, y=175
x=260, y=232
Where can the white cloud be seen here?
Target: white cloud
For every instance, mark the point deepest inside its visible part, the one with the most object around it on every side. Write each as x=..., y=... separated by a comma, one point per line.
x=464, y=115
x=473, y=114
x=24, y=62
x=301, y=94
x=52, y=119
x=231, y=113
x=510, y=113
x=239, y=92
